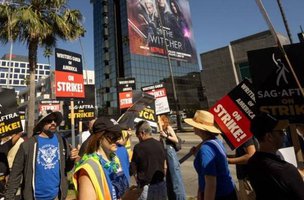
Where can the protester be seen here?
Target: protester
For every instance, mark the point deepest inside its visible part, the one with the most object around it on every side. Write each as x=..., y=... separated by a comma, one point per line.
x=84, y=142
x=149, y=164
x=174, y=180
x=215, y=181
x=42, y=162
x=126, y=141
x=102, y=173
x=270, y=176
x=243, y=153
x=5, y=146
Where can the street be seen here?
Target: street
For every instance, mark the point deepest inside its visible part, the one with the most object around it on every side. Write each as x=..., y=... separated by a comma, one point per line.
x=187, y=169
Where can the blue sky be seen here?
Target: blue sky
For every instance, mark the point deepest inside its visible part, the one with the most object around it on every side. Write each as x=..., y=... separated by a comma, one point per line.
x=215, y=24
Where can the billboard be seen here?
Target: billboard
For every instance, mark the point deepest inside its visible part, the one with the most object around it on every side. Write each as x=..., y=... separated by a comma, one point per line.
x=68, y=74
x=153, y=24
x=277, y=92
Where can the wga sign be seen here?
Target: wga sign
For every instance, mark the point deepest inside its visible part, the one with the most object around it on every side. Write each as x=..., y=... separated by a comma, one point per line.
x=276, y=89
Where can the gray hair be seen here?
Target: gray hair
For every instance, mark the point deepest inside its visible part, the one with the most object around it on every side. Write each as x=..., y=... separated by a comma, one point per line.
x=143, y=126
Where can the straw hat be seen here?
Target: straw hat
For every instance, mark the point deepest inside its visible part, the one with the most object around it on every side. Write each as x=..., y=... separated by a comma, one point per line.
x=44, y=116
x=203, y=120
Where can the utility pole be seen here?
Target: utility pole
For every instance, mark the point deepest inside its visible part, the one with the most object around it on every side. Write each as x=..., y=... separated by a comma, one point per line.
x=285, y=21
x=178, y=119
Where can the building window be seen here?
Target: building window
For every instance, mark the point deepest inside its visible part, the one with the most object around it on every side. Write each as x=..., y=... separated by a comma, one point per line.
x=244, y=70
x=22, y=65
x=2, y=69
x=16, y=82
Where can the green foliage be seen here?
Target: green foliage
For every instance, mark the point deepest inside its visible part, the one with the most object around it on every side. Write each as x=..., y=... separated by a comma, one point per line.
x=38, y=23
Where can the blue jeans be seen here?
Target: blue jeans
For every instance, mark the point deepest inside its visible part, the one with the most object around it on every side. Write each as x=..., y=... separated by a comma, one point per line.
x=154, y=192
x=174, y=179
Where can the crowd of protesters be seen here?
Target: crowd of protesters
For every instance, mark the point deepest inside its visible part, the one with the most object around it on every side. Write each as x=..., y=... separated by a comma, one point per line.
x=103, y=167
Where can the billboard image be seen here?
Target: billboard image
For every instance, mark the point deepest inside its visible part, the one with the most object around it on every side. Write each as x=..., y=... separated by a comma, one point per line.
x=155, y=23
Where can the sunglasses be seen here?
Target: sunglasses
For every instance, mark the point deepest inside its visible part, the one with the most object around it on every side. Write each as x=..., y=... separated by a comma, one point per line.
x=48, y=121
x=280, y=132
x=112, y=140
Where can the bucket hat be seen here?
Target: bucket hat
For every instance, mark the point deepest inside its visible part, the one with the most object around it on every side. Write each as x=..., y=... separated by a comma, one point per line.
x=203, y=120
x=44, y=116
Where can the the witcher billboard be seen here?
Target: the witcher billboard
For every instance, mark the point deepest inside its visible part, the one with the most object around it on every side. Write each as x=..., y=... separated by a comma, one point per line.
x=154, y=23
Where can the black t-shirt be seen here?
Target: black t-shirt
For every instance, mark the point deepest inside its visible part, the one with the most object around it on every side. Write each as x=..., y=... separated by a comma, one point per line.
x=241, y=169
x=149, y=157
x=273, y=178
x=4, y=149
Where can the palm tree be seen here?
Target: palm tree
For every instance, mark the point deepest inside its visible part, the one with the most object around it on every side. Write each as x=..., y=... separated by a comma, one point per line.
x=38, y=23
x=47, y=53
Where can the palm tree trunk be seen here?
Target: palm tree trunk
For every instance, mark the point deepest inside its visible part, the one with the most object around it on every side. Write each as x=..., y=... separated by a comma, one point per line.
x=33, y=46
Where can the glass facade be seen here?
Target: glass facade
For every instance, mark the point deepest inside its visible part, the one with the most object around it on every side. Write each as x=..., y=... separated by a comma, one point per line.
x=113, y=59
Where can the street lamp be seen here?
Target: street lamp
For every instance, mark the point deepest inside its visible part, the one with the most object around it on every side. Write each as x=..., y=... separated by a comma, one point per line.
x=178, y=121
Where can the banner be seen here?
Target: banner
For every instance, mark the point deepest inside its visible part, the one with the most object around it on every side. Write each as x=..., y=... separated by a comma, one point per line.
x=234, y=112
x=161, y=99
x=68, y=74
x=276, y=90
x=141, y=101
x=125, y=87
x=49, y=105
x=148, y=114
x=84, y=109
x=10, y=122
x=153, y=24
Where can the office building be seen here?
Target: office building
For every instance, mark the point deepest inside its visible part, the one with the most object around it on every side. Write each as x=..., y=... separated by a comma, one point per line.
x=225, y=67
x=129, y=42
x=15, y=73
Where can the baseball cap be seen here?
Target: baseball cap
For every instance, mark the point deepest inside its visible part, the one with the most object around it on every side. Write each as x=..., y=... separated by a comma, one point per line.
x=264, y=123
x=105, y=124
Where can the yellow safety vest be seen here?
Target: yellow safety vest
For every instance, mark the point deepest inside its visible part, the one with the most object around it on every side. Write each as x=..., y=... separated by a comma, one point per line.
x=97, y=176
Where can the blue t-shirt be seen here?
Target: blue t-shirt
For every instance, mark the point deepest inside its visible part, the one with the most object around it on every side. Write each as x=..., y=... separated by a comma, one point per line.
x=211, y=160
x=123, y=156
x=47, y=176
